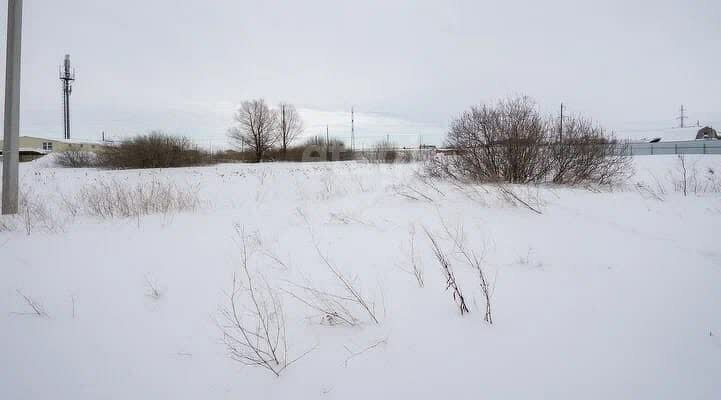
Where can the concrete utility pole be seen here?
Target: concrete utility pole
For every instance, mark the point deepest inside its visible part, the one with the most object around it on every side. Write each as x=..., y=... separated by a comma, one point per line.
x=352, y=129
x=11, y=155
x=560, y=130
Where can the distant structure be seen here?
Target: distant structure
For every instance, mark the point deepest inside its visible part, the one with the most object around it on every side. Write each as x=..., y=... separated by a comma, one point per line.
x=32, y=147
x=682, y=117
x=67, y=76
x=707, y=133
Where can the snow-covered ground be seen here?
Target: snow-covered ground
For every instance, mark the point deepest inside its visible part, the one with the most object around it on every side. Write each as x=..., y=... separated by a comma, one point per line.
x=608, y=294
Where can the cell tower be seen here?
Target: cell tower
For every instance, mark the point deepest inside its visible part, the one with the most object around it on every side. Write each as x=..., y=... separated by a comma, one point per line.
x=67, y=76
x=683, y=116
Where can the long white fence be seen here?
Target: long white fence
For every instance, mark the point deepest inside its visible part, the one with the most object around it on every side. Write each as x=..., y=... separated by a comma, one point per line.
x=685, y=147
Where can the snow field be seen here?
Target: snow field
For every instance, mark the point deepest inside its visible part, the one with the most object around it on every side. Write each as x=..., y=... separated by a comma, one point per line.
x=609, y=293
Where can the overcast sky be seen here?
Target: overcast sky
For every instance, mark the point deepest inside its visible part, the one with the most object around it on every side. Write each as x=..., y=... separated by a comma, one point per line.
x=407, y=66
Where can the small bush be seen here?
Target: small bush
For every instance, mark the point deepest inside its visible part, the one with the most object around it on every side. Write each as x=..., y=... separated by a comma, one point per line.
x=586, y=153
x=313, y=149
x=154, y=150
x=76, y=159
x=511, y=142
x=34, y=215
x=383, y=152
x=502, y=142
x=116, y=199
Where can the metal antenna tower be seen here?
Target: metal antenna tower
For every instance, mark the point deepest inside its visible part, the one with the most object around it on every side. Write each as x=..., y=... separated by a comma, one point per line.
x=67, y=76
x=683, y=116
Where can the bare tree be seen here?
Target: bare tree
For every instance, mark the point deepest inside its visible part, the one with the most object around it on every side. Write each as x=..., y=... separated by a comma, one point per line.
x=255, y=127
x=290, y=126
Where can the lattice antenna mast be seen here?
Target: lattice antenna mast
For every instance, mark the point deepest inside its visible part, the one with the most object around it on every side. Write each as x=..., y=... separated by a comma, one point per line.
x=683, y=116
x=67, y=76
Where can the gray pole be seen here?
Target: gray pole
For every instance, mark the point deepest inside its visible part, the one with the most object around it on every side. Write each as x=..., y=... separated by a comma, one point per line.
x=11, y=156
x=560, y=130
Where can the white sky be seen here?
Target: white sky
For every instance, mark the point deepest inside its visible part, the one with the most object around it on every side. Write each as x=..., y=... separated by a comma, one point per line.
x=407, y=66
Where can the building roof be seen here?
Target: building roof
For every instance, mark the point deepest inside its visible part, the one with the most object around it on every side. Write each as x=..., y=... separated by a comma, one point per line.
x=69, y=141
x=707, y=133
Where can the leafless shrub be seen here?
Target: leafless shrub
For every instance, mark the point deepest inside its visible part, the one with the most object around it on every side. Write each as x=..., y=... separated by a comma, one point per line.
x=384, y=151
x=585, y=152
x=511, y=142
x=35, y=307
x=255, y=335
x=509, y=195
x=76, y=159
x=681, y=183
x=334, y=309
x=8, y=223
x=353, y=293
x=73, y=301
x=70, y=204
x=410, y=192
x=416, y=269
x=711, y=182
x=441, y=166
x=647, y=191
x=528, y=260
x=113, y=199
x=153, y=291
x=154, y=150
x=504, y=142
x=656, y=191
x=686, y=178
x=428, y=181
x=34, y=214
x=356, y=353
x=474, y=261
x=449, y=275
x=317, y=148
